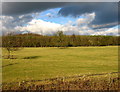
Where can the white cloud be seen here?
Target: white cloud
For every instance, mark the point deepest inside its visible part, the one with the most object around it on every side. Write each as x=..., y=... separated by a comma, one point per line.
x=49, y=15
x=107, y=31
x=48, y=28
x=9, y=23
x=41, y=27
x=87, y=18
x=81, y=27
x=6, y=23
x=45, y=28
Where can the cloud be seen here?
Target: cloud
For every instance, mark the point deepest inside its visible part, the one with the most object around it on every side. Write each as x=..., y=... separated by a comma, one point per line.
x=106, y=12
x=87, y=19
x=49, y=15
x=104, y=25
x=20, y=8
x=9, y=22
x=90, y=17
x=41, y=27
x=49, y=28
x=106, y=31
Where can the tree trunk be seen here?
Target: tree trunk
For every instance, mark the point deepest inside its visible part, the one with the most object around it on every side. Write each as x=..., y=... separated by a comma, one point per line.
x=8, y=54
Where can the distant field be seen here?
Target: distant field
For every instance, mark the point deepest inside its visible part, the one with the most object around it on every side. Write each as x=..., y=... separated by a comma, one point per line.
x=50, y=62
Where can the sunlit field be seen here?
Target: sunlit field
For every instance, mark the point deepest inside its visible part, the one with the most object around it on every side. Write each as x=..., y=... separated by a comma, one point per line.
x=59, y=46
x=45, y=63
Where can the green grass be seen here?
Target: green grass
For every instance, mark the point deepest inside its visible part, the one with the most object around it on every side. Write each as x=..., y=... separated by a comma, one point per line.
x=50, y=62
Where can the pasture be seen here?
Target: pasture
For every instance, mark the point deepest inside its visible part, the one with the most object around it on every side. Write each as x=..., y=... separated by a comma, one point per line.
x=50, y=62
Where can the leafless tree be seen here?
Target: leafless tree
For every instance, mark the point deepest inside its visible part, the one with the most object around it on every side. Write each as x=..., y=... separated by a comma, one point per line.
x=11, y=43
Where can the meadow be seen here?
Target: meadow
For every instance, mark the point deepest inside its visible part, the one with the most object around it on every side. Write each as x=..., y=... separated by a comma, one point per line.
x=53, y=62
x=40, y=63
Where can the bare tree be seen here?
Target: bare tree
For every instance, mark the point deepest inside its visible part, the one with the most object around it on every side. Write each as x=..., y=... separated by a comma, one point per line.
x=11, y=43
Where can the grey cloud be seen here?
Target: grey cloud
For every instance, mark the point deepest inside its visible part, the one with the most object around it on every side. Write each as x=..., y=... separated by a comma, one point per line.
x=104, y=25
x=22, y=19
x=9, y=23
x=13, y=21
x=106, y=12
x=18, y=8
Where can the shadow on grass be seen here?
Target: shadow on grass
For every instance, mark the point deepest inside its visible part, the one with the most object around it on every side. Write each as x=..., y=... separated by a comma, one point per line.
x=31, y=57
x=10, y=57
x=9, y=64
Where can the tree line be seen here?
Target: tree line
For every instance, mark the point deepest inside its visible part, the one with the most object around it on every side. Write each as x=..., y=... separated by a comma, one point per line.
x=57, y=40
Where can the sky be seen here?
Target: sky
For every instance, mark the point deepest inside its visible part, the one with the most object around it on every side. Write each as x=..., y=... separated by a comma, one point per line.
x=46, y=18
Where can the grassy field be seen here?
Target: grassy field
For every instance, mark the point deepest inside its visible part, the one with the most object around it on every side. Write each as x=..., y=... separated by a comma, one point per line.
x=51, y=62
